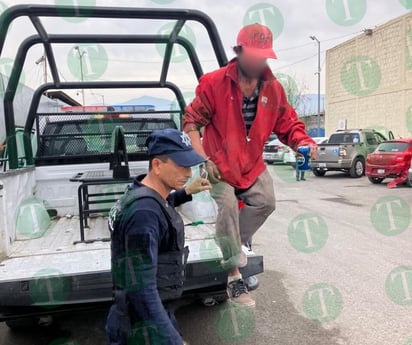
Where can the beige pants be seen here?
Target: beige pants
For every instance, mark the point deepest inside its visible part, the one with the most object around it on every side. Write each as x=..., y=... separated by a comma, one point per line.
x=234, y=227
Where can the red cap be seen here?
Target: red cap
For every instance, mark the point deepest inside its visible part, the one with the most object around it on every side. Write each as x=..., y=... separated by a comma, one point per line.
x=257, y=40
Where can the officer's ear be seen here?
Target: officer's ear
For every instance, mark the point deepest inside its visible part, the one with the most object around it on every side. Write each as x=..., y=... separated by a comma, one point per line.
x=155, y=163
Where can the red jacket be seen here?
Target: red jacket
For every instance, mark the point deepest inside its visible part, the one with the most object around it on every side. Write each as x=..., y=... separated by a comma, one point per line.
x=218, y=108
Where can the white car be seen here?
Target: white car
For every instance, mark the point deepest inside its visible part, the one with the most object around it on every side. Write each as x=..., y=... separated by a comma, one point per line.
x=274, y=151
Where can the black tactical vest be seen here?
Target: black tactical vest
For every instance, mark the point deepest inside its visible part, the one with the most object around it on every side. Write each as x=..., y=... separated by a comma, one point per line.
x=172, y=255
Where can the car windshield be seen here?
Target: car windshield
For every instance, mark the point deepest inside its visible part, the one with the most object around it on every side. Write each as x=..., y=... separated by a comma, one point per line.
x=392, y=147
x=344, y=138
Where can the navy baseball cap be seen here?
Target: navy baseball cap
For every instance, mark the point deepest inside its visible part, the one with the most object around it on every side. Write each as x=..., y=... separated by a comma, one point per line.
x=173, y=144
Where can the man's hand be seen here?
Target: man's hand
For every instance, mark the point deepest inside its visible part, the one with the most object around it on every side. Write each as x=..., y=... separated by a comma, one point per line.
x=314, y=151
x=213, y=171
x=198, y=185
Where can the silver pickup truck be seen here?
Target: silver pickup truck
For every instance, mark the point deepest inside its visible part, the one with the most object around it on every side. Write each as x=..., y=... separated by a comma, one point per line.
x=346, y=150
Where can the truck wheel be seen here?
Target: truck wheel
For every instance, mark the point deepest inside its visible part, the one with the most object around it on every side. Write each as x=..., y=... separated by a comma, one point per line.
x=409, y=182
x=358, y=168
x=318, y=173
x=214, y=300
x=375, y=180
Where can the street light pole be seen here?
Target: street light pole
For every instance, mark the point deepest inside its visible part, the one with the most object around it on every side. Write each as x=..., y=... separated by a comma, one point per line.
x=314, y=38
x=81, y=54
x=98, y=94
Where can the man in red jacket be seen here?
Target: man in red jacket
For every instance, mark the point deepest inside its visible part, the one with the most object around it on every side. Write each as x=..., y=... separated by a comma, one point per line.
x=239, y=106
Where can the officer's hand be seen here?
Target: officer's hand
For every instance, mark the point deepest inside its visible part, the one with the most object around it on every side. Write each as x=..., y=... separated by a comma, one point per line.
x=213, y=172
x=198, y=185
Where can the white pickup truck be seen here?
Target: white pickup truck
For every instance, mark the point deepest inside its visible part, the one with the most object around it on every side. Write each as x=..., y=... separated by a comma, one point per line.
x=48, y=265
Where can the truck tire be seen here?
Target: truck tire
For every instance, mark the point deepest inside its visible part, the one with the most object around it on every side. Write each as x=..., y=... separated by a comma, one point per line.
x=318, y=173
x=358, y=168
x=409, y=182
x=375, y=180
x=214, y=300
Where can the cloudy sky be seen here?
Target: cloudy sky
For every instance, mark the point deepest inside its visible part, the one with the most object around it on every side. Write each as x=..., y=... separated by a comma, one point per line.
x=292, y=21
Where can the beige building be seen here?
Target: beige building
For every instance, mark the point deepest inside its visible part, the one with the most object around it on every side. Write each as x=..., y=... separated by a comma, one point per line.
x=369, y=80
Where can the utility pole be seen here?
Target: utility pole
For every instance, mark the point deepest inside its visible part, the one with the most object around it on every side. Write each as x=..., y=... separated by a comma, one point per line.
x=314, y=38
x=100, y=95
x=43, y=59
x=81, y=54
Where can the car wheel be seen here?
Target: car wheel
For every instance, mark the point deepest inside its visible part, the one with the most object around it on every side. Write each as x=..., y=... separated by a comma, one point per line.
x=358, y=168
x=318, y=173
x=409, y=182
x=269, y=162
x=375, y=180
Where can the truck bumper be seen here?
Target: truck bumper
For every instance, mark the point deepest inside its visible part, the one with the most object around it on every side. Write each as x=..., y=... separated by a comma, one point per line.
x=90, y=291
x=341, y=164
x=384, y=171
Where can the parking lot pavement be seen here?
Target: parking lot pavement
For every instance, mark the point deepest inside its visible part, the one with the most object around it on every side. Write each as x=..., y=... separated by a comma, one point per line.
x=338, y=270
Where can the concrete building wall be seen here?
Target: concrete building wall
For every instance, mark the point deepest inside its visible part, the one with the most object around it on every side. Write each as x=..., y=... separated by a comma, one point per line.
x=369, y=80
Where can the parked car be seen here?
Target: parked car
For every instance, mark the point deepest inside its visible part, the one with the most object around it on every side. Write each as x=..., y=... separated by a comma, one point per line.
x=272, y=137
x=389, y=160
x=346, y=150
x=274, y=151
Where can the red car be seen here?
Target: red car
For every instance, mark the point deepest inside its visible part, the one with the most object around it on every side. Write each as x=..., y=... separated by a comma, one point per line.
x=391, y=159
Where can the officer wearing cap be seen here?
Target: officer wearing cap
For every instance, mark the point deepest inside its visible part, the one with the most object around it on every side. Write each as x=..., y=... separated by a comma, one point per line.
x=148, y=253
x=238, y=106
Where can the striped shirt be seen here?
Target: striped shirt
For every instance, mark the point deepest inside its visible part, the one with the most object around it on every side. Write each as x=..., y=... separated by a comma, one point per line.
x=249, y=108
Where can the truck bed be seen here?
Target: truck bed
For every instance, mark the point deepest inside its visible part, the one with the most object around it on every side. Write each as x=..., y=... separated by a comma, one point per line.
x=56, y=249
